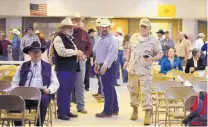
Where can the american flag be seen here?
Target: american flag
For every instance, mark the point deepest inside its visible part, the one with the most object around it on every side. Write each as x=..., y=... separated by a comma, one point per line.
x=38, y=9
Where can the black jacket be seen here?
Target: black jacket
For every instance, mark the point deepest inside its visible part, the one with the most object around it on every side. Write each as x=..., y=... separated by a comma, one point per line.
x=190, y=63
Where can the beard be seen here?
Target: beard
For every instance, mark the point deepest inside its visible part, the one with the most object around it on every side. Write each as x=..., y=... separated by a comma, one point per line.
x=104, y=32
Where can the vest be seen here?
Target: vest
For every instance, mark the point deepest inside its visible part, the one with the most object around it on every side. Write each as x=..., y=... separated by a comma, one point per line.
x=66, y=63
x=46, y=73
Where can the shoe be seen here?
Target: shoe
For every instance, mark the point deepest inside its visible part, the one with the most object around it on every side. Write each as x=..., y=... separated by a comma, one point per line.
x=98, y=97
x=72, y=115
x=102, y=115
x=147, y=117
x=134, y=115
x=82, y=111
x=115, y=113
x=101, y=100
x=94, y=95
x=63, y=118
x=87, y=89
x=117, y=85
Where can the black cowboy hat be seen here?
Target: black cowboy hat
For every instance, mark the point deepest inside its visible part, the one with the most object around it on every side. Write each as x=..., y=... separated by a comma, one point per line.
x=34, y=45
x=160, y=32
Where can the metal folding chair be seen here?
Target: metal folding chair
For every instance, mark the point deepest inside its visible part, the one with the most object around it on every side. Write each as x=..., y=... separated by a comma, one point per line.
x=29, y=93
x=200, y=86
x=178, y=94
x=160, y=96
x=3, y=86
x=12, y=103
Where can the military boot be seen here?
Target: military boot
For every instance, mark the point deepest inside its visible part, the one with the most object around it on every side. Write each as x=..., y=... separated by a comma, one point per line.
x=148, y=117
x=134, y=115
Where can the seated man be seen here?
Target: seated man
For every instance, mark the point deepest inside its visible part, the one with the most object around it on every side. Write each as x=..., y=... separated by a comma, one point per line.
x=171, y=62
x=36, y=73
x=195, y=63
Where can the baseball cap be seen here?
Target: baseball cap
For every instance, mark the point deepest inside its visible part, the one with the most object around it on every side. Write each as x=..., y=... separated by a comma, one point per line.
x=145, y=22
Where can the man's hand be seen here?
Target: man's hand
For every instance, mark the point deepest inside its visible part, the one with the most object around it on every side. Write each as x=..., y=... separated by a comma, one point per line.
x=103, y=70
x=192, y=69
x=96, y=69
x=83, y=57
x=79, y=53
x=47, y=91
x=91, y=61
x=126, y=64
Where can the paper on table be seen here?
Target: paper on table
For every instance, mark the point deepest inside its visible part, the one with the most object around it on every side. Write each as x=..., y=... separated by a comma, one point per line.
x=187, y=83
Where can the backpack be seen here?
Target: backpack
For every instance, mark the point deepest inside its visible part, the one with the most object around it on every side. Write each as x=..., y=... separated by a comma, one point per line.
x=198, y=115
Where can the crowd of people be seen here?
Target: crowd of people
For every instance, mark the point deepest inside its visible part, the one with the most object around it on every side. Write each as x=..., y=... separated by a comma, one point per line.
x=101, y=53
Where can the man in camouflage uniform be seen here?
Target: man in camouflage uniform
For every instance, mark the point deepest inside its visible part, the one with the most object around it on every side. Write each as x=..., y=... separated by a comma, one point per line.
x=143, y=49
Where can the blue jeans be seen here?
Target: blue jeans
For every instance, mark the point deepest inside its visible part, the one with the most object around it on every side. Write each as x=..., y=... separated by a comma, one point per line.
x=120, y=63
x=107, y=81
x=3, y=58
x=67, y=82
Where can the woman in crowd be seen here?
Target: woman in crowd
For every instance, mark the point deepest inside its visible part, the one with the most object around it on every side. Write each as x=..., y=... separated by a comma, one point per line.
x=195, y=63
x=172, y=62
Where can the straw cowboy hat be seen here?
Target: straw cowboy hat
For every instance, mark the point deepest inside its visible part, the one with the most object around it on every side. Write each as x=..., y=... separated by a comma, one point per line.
x=98, y=21
x=34, y=45
x=105, y=22
x=76, y=15
x=15, y=31
x=119, y=30
x=66, y=22
x=37, y=31
x=201, y=35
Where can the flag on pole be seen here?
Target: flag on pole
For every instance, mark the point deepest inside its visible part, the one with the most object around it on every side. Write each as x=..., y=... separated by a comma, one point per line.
x=38, y=9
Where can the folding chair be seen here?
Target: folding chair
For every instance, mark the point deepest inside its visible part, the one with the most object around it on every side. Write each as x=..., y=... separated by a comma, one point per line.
x=12, y=103
x=188, y=104
x=177, y=94
x=160, y=98
x=28, y=93
x=3, y=86
x=200, y=86
x=194, y=80
x=174, y=73
x=7, y=78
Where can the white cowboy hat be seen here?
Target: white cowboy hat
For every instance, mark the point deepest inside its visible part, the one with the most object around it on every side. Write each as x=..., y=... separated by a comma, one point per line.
x=202, y=35
x=77, y=15
x=119, y=30
x=66, y=22
x=15, y=31
x=37, y=31
x=105, y=22
x=98, y=21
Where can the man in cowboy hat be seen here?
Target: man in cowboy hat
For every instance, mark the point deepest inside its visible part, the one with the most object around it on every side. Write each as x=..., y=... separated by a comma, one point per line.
x=106, y=54
x=15, y=45
x=42, y=39
x=82, y=41
x=5, y=47
x=160, y=34
x=66, y=66
x=199, y=42
x=142, y=51
x=40, y=75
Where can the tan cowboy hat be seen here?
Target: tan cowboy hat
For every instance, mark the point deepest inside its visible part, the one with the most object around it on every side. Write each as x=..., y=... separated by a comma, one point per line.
x=37, y=31
x=66, y=22
x=201, y=35
x=119, y=30
x=15, y=31
x=77, y=15
x=105, y=22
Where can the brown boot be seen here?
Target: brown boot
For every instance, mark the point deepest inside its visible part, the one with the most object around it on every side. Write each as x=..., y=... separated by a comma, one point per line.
x=134, y=115
x=148, y=117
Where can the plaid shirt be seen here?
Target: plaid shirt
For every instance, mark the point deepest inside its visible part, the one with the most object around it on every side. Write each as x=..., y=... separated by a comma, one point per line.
x=27, y=40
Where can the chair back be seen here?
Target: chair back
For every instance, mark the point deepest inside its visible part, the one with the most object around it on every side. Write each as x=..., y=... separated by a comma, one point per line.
x=163, y=86
x=157, y=80
x=189, y=102
x=4, y=85
x=12, y=103
x=7, y=78
x=200, y=86
x=182, y=92
x=27, y=93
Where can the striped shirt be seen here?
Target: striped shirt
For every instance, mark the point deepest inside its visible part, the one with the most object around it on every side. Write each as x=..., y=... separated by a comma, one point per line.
x=27, y=40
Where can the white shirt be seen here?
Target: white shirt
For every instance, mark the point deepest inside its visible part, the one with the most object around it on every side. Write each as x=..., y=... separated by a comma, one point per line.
x=195, y=63
x=198, y=43
x=120, y=42
x=36, y=80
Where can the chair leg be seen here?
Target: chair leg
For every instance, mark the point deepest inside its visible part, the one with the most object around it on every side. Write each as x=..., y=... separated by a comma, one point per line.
x=169, y=120
x=166, y=115
x=51, y=116
x=156, y=113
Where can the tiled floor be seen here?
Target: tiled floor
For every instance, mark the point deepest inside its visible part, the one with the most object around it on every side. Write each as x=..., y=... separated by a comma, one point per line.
x=93, y=107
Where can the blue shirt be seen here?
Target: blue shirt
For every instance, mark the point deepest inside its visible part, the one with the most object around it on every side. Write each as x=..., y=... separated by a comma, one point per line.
x=106, y=51
x=16, y=43
x=166, y=65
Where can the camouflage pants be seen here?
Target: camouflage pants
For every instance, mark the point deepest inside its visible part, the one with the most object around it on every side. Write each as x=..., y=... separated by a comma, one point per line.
x=139, y=87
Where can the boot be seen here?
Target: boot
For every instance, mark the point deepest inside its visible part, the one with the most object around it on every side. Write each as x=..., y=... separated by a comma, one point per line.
x=134, y=115
x=147, y=118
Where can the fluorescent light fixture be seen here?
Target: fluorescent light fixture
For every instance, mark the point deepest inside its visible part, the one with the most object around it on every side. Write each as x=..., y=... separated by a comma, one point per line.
x=102, y=17
x=161, y=17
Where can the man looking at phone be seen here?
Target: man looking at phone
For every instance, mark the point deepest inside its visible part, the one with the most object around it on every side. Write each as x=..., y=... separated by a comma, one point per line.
x=143, y=49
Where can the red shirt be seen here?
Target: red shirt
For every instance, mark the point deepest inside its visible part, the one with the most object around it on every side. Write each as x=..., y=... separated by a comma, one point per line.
x=5, y=44
x=82, y=41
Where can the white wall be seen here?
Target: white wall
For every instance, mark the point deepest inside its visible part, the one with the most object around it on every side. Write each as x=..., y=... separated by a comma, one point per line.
x=13, y=23
x=116, y=8
x=190, y=27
